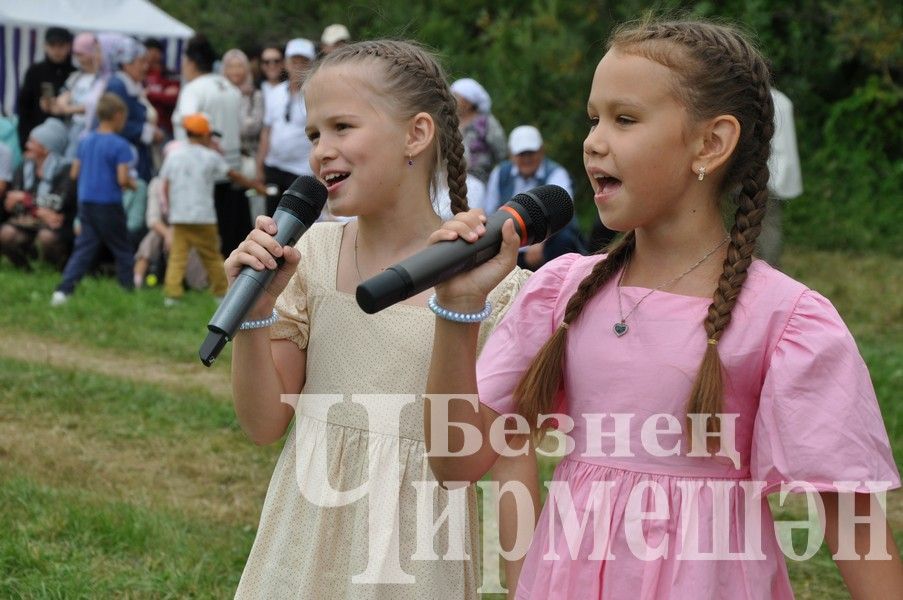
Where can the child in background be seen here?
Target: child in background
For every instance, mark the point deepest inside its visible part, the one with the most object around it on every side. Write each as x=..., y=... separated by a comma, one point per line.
x=102, y=169
x=678, y=319
x=153, y=251
x=189, y=174
x=383, y=126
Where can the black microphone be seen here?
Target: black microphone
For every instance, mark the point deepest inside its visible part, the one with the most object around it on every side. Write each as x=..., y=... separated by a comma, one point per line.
x=537, y=214
x=297, y=211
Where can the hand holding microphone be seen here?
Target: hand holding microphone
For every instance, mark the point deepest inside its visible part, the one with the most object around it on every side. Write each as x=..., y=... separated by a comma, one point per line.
x=468, y=241
x=260, y=268
x=466, y=292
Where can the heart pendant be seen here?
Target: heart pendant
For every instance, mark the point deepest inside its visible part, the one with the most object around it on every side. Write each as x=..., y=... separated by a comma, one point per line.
x=620, y=328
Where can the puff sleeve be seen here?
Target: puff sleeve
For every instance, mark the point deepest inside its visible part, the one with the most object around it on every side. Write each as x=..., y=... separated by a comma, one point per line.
x=291, y=307
x=518, y=337
x=818, y=419
x=502, y=298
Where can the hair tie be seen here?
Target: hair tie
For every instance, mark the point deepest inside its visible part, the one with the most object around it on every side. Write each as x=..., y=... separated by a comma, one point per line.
x=713, y=342
x=564, y=325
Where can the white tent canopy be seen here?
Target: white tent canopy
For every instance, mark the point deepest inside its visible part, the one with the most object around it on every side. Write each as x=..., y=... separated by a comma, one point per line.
x=23, y=23
x=131, y=17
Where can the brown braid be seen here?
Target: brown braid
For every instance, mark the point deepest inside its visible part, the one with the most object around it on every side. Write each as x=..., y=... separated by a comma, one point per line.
x=535, y=394
x=718, y=71
x=416, y=83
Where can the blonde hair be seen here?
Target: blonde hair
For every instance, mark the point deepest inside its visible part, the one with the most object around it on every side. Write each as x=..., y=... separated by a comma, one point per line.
x=718, y=71
x=415, y=82
x=109, y=105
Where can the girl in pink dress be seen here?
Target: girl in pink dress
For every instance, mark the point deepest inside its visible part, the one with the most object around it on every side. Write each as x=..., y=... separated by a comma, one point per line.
x=688, y=378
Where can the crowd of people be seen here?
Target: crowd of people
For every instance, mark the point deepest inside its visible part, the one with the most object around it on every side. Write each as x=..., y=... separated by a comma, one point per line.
x=756, y=378
x=257, y=119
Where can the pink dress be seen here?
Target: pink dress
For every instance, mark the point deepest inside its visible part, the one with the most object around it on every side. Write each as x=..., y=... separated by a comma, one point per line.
x=806, y=410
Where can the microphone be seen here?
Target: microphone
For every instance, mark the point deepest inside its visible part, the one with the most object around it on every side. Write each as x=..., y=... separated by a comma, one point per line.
x=297, y=211
x=537, y=214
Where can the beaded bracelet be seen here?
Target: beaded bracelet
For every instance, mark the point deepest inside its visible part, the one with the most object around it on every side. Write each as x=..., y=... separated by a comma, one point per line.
x=260, y=323
x=457, y=317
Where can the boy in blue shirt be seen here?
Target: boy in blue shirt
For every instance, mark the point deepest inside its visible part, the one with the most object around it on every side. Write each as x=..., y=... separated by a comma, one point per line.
x=102, y=169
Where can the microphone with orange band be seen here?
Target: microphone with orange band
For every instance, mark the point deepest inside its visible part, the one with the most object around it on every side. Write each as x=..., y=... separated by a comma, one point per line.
x=537, y=215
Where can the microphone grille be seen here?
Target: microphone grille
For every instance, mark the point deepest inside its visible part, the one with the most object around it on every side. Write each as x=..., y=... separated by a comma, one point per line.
x=547, y=204
x=305, y=197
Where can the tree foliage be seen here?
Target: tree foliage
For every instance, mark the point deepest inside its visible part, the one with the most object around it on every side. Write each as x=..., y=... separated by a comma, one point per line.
x=840, y=61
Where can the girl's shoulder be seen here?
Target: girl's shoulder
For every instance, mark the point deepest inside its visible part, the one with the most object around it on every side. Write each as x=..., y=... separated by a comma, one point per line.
x=571, y=269
x=322, y=239
x=556, y=279
x=794, y=315
x=767, y=289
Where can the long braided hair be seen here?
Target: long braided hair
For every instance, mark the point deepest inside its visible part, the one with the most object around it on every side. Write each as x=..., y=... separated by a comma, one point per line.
x=718, y=71
x=412, y=77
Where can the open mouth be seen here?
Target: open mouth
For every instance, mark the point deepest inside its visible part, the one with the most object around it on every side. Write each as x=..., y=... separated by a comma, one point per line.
x=334, y=178
x=608, y=184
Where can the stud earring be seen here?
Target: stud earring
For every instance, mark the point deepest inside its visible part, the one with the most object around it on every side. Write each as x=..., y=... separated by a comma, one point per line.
x=410, y=161
x=701, y=173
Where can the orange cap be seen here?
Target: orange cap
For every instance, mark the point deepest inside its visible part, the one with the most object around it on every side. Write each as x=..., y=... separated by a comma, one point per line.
x=197, y=124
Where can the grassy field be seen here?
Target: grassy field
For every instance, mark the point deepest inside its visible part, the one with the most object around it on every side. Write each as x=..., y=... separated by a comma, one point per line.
x=123, y=472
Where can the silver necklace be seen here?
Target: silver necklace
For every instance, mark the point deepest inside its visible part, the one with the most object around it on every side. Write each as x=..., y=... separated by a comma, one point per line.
x=620, y=328
x=357, y=267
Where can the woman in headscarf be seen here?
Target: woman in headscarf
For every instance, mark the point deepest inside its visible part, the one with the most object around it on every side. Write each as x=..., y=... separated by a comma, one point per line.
x=127, y=84
x=41, y=203
x=483, y=135
x=237, y=69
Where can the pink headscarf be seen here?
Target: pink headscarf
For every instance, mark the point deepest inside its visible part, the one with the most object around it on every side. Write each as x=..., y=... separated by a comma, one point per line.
x=85, y=43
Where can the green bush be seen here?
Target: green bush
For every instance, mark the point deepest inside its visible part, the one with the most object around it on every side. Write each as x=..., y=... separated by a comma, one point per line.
x=839, y=61
x=853, y=181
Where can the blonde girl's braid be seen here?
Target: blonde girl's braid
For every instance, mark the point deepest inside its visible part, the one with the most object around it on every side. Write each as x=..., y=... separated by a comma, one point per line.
x=718, y=72
x=535, y=394
x=452, y=148
x=416, y=82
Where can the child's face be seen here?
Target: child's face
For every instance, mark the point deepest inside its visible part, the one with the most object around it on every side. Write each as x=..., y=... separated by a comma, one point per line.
x=638, y=152
x=358, y=145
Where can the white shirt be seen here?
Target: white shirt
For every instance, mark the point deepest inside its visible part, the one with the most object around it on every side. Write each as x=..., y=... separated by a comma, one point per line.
x=266, y=89
x=557, y=177
x=80, y=86
x=786, y=177
x=476, y=193
x=216, y=97
x=192, y=170
x=286, y=116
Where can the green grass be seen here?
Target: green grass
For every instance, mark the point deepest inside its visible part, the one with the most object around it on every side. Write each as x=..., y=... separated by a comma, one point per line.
x=112, y=487
x=109, y=487
x=61, y=542
x=100, y=314
x=128, y=410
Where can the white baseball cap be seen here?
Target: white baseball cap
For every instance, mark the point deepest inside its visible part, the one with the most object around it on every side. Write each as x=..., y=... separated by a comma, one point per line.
x=301, y=47
x=525, y=138
x=335, y=33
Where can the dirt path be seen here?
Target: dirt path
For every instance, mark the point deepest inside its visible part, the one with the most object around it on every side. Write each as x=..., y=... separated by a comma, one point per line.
x=173, y=375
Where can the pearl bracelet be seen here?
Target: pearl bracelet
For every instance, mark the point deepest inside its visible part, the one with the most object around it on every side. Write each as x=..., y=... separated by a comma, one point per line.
x=260, y=323
x=458, y=317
